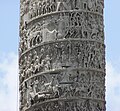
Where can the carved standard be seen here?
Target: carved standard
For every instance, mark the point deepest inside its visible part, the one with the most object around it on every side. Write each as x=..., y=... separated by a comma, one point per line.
x=62, y=55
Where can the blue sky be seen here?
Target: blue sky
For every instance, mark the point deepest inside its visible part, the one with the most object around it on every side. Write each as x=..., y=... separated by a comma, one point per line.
x=9, y=34
x=9, y=25
x=112, y=30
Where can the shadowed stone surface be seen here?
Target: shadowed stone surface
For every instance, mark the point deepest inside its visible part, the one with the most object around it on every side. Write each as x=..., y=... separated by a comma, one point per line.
x=62, y=55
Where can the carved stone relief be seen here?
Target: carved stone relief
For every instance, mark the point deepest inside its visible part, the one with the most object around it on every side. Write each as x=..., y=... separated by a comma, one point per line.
x=31, y=9
x=62, y=55
x=73, y=25
x=66, y=84
x=82, y=54
x=72, y=106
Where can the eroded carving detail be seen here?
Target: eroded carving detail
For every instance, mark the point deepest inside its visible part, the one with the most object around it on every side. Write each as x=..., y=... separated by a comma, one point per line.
x=73, y=25
x=36, y=8
x=66, y=84
x=62, y=55
x=82, y=54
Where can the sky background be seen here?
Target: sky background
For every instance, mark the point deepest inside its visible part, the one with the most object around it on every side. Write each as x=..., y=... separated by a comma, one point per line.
x=9, y=37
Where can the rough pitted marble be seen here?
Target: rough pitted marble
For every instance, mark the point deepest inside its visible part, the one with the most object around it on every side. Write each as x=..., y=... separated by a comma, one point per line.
x=62, y=55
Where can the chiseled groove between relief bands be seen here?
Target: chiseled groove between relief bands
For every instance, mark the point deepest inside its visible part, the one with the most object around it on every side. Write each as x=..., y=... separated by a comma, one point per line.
x=58, y=70
x=62, y=40
x=67, y=11
x=64, y=100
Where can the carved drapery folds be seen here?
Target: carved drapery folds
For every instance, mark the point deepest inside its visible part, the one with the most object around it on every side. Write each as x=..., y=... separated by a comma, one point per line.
x=62, y=55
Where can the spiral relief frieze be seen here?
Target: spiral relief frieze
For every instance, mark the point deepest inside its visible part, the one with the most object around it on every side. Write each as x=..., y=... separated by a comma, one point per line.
x=63, y=25
x=62, y=55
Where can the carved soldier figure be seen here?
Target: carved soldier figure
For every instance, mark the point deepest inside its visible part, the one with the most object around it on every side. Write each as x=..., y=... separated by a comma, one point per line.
x=24, y=89
x=37, y=65
x=39, y=7
x=47, y=64
x=53, y=5
x=36, y=82
x=91, y=5
x=43, y=7
x=94, y=30
x=22, y=76
x=31, y=96
x=30, y=70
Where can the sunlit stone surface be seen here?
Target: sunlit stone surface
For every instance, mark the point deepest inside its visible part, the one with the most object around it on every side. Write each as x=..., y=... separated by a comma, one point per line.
x=62, y=55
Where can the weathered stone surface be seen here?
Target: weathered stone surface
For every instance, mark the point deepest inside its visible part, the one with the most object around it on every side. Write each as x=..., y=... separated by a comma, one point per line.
x=62, y=55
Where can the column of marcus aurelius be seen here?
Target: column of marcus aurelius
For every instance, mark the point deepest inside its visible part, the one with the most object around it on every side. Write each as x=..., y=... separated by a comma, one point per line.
x=62, y=55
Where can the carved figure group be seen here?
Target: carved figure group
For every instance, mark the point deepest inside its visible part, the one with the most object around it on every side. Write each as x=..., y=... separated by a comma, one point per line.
x=40, y=8
x=83, y=84
x=62, y=55
x=34, y=65
x=82, y=54
x=76, y=26
x=36, y=8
